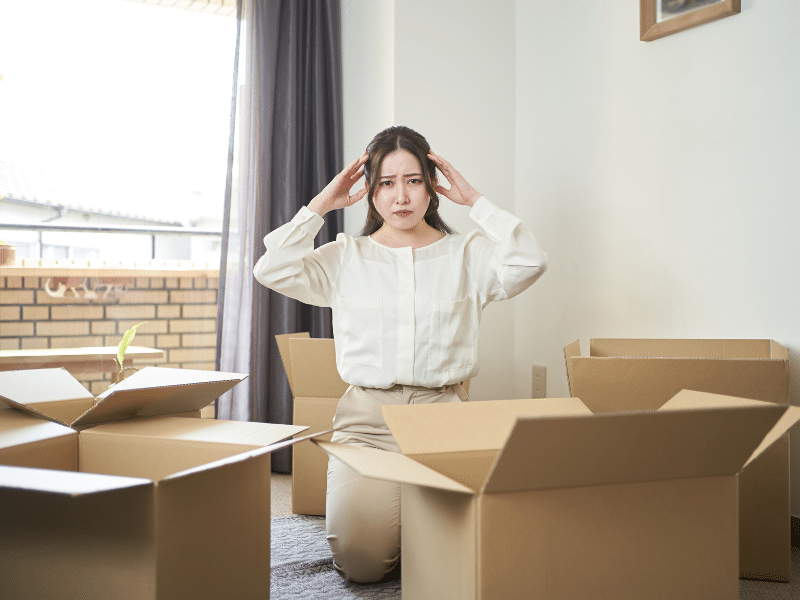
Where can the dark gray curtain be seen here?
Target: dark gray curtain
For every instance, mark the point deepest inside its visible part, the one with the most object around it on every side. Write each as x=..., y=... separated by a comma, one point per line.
x=286, y=145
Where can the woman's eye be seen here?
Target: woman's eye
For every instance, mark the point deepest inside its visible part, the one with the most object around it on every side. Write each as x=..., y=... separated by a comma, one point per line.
x=386, y=183
x=415, y=181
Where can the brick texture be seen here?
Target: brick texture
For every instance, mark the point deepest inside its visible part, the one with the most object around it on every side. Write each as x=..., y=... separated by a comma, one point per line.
x=179, y=314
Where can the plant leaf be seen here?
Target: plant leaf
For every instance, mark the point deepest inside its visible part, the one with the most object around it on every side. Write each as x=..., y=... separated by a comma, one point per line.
x=127, y=338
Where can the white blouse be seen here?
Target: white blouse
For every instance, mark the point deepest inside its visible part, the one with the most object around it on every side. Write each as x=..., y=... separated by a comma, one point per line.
x=403, y=315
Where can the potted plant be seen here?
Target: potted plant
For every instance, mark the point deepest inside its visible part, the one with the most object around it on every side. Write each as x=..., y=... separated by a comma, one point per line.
x=8, y=254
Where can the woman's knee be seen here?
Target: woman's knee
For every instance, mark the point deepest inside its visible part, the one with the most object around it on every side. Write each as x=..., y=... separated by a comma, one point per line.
x=363, y=524
x=360, y=564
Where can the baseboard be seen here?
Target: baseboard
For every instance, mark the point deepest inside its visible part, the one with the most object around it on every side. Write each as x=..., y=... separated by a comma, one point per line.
x=795, y=532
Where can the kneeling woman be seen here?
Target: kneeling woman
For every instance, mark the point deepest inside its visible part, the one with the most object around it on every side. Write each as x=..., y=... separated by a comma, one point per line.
x=407, y=296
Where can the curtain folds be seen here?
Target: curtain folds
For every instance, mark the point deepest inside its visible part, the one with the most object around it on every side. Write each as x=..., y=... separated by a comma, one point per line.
x=286, y=145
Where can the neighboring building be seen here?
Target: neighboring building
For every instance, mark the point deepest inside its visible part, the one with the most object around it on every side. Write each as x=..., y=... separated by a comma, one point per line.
x=30, y=195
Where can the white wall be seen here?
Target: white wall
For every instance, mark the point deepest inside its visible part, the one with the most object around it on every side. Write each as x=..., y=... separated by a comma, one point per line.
x=665, y=176
x=368, y=82
x=661, y=177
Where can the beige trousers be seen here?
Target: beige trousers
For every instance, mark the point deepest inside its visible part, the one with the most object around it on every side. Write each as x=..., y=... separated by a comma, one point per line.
x=363, y=515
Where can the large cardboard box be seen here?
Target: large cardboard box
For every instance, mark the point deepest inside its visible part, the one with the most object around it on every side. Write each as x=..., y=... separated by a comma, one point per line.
x=137, y=507
x=316, y=386
x=623, y=374
x=542, y=499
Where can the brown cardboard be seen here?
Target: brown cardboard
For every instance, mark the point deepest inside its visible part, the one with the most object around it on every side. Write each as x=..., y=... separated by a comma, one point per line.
x=145, y=508
x=53, y=394
x=311, y=369
x=621, y=374
x=29, y=441
x=573, y=505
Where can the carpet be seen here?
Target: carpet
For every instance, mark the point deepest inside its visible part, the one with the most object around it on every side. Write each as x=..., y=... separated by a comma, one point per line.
x=302, y=566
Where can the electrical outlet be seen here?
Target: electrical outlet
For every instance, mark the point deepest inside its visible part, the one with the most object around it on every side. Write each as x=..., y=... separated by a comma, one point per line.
x=539, y=388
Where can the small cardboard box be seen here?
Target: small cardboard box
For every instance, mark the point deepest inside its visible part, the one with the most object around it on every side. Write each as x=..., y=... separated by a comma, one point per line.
x=623, y=374
x=316, y=386
x=141, y=508
x=541, y=499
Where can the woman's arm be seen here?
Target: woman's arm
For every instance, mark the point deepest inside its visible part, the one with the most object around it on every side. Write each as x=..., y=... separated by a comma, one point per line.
x=513, y=260
x=290, y=265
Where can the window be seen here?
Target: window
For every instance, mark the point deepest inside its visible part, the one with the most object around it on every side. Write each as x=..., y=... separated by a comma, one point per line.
x=114, y=114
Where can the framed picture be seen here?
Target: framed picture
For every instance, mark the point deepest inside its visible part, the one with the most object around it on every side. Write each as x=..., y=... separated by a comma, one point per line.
x=658, y=18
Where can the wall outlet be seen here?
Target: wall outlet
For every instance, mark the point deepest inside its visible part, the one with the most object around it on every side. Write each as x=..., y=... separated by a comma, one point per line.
x=539, y=388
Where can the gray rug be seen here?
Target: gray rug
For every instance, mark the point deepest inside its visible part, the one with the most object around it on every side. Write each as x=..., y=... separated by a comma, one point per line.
x=302, y=566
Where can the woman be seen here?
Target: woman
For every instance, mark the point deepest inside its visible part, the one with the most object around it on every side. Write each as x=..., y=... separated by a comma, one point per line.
x=407, y=297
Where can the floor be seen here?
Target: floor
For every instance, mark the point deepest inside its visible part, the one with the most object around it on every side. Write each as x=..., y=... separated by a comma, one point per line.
x=281, y=495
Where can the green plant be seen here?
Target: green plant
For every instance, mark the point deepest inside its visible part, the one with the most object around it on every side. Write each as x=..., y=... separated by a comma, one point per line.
x=124, y=344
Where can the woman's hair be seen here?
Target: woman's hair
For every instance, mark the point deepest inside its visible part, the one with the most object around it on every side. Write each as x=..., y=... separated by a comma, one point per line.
x=386, y=142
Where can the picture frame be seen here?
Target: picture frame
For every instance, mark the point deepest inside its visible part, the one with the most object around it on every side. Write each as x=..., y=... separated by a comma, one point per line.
x=658, y=18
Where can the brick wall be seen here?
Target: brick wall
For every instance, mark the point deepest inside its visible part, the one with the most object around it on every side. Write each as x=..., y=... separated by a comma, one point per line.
x=181, y=315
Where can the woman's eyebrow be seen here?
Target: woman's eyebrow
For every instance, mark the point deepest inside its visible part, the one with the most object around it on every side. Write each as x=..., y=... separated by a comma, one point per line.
x=406, y=175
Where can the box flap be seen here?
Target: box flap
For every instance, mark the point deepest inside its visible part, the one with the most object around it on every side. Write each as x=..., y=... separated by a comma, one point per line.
x=159, y=391
x=26, y=389
x=613, y=448
x=286, y=355
x=216, y=464
x=467, y=426
x=17, y=428
x=241, y=456
x=390, y=466
x=64, y=483
x=314, y=368
x=778, y=352
x=614, y=384
x=247, y=434
x=686, y=348
x=571, y=351
x=691, y=400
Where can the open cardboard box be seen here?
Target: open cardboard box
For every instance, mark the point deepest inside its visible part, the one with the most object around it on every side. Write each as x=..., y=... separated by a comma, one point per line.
x=542, y=499
x=316, y=386
x=148, y=508
x=310, y=365
x=626, y=374
x=56, y=395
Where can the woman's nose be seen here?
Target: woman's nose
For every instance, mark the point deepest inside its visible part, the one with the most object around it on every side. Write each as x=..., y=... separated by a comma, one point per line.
x=402, y=194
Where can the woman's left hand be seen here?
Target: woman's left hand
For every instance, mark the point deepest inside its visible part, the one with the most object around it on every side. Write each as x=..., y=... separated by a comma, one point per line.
x=460, y=191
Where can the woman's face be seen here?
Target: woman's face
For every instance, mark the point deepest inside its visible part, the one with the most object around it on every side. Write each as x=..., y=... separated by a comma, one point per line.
x=400, y=195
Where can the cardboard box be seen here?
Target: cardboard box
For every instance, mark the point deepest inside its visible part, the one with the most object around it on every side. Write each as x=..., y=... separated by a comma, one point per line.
x=541, y=499
x=56, y=395
x=622, y=374
x=316, y=386
x=146, y=508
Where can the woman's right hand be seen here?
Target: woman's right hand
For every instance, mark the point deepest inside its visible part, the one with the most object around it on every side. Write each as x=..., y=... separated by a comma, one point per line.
x=337, y=193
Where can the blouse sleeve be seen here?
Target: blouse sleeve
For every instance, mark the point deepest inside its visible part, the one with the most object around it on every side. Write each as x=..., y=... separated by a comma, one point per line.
x=510, y=260
x=292, y=267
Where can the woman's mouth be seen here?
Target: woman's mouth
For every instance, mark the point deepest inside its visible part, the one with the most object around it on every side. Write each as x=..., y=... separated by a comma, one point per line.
x=403, y=213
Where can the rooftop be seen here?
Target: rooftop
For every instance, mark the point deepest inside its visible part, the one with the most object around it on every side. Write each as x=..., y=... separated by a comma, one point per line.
x=36, y=186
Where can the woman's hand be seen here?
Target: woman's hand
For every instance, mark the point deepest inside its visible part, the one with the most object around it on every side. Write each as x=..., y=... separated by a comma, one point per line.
x=460, y=191
x=337, y=193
